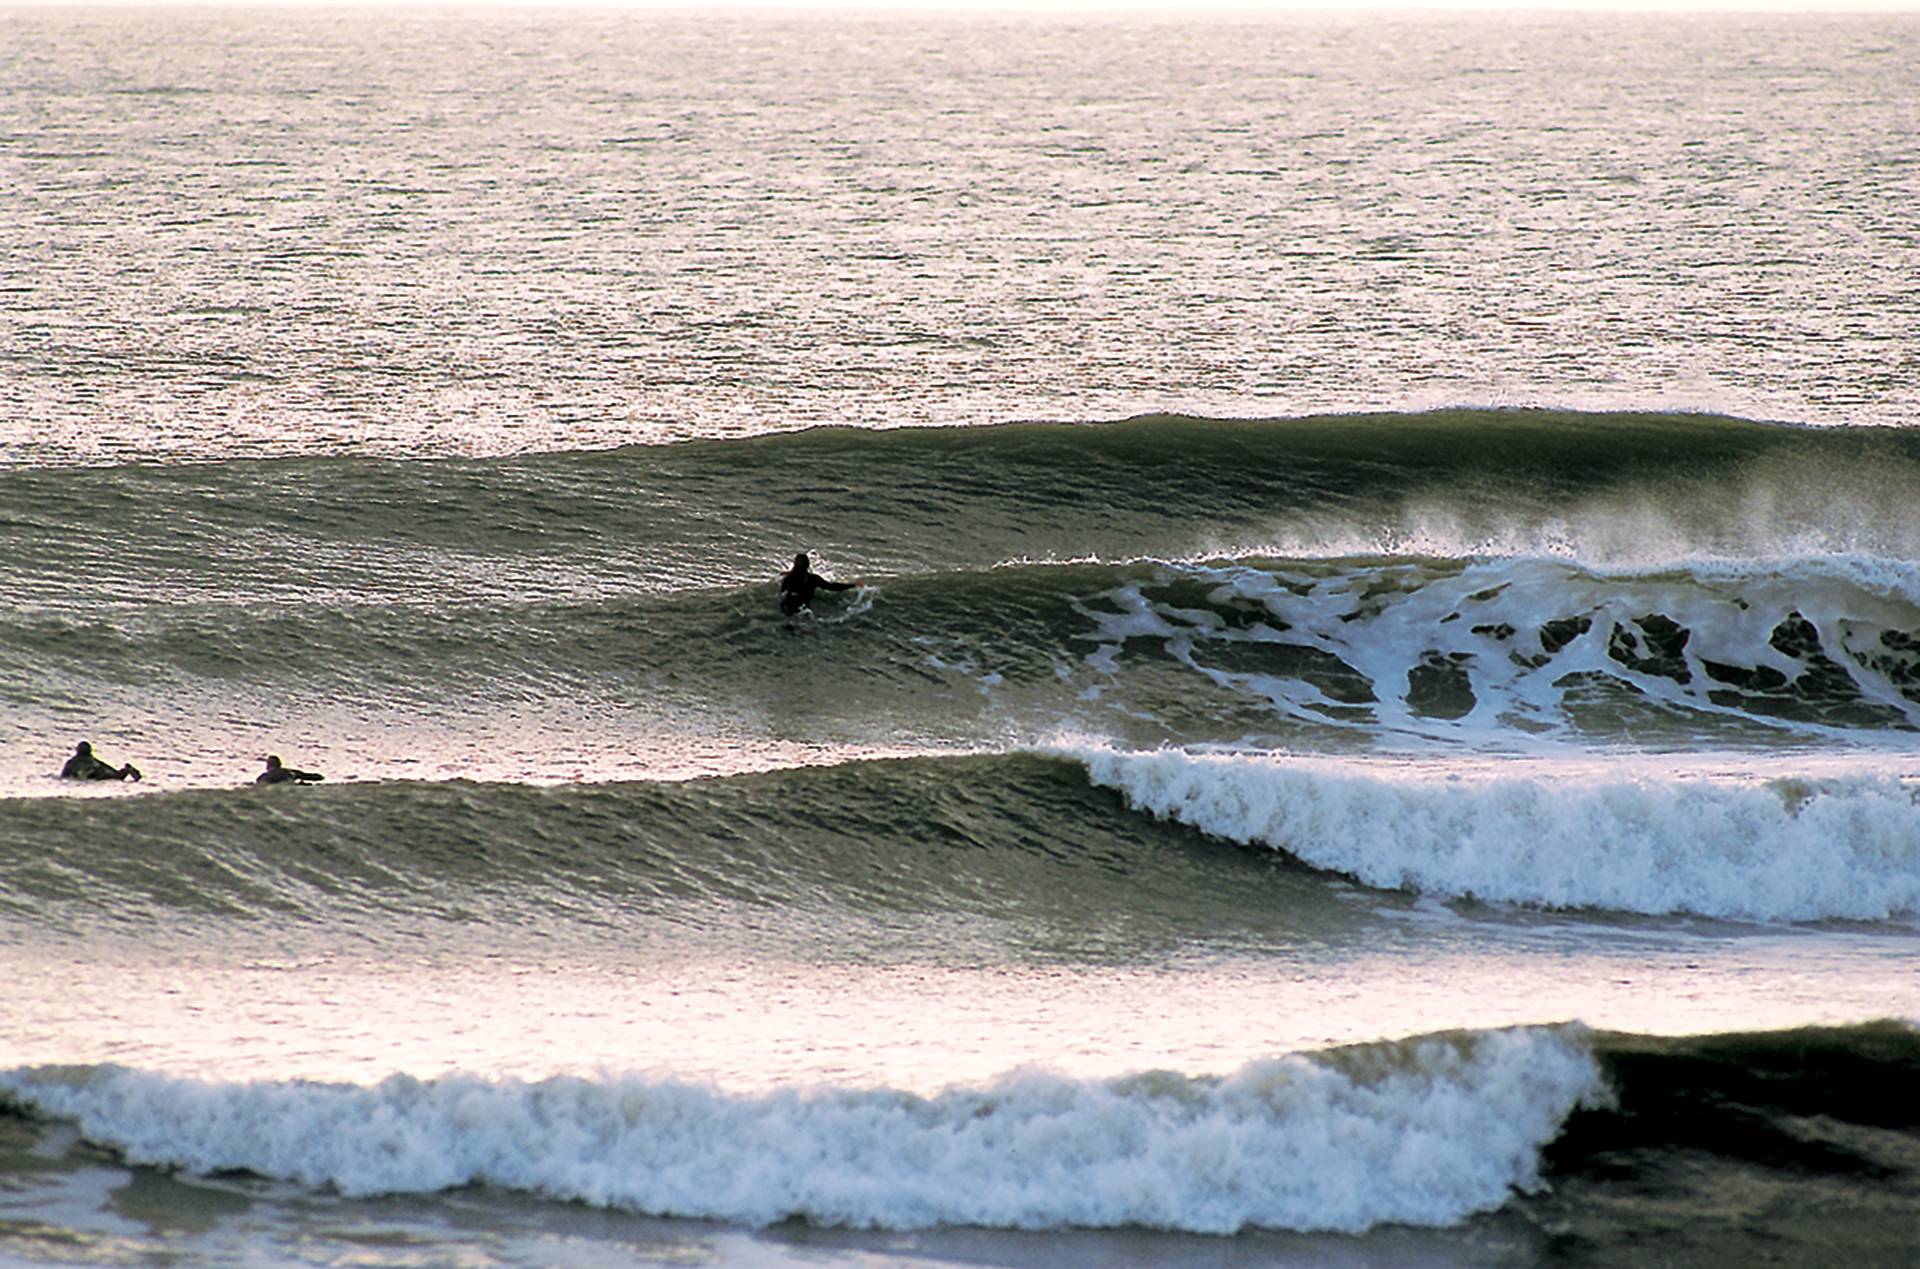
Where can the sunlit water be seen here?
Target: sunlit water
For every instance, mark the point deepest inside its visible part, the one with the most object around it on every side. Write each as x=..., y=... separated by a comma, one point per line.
x=266, y=1011
x=304, y=232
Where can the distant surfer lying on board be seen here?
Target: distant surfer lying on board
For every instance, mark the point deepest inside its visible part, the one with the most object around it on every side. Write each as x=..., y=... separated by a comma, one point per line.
x=84, y=766
x=278, y=774
x=798, y=583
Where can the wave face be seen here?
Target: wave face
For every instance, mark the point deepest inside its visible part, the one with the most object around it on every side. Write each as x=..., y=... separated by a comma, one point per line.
x=1421, y=1132
x=1610, y=488
x=1730, y=1140
x=1011, y=841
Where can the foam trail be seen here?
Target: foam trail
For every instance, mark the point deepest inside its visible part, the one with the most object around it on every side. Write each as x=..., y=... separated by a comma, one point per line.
x=1846, y=848
x=1424, y=1131
x=1475, y=649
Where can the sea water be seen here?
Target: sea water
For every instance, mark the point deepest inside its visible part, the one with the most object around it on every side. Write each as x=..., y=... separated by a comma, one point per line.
x=1376, y=722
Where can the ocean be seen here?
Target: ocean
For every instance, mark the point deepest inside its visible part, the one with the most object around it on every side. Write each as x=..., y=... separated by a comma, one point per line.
x=1376, y=721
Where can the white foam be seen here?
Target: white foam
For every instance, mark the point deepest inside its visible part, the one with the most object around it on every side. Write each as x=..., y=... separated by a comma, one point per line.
x=1390, y=620
x=1630, y=838
x=1792, y=504
x=1424, y=1131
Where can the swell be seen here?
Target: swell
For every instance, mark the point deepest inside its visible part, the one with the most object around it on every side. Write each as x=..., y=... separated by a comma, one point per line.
x=1091, y=848
x=1607, y=487
x=1019, y=848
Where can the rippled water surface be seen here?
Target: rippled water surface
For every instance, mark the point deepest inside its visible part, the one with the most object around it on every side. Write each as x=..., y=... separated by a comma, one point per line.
x=316, y=231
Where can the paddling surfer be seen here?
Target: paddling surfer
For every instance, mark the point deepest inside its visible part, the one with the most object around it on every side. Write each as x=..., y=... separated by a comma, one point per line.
x=276, y=773
x=84, y=766
x=798, y=584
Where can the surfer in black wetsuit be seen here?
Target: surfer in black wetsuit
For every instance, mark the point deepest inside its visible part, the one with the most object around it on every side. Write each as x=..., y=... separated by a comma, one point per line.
x=798, y=583
x=278, y=774
x=84, y=766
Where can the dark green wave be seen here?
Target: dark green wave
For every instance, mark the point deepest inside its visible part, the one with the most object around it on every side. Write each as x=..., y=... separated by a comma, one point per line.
x=1020, y=847
x=1789, y=1147
x=721, y=513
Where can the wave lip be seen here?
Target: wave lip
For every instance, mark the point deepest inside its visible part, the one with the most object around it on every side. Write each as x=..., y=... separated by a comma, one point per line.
x=1425, y=1131
x=1846, y=848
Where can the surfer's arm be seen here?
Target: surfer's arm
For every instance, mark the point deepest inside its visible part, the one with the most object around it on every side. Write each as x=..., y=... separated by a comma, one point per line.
x=826, y=585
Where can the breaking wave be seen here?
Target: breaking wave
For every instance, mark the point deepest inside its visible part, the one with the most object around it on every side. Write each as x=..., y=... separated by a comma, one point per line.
x=1421, y=1132
x=1570, y=1124
x=1629, y=840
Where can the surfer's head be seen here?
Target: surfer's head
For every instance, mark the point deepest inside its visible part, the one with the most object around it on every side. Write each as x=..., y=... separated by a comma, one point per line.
x=273, y=762
x=800, y=564
x=83, y=749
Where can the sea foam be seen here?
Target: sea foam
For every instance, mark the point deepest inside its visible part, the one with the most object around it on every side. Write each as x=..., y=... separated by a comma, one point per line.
x=1424, y=1131
x=1636, y=841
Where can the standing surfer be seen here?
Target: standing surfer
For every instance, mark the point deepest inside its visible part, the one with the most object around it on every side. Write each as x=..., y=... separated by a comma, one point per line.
x=798, y=584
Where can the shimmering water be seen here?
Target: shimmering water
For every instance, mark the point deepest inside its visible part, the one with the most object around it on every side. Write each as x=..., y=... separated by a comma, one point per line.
x=316, y=232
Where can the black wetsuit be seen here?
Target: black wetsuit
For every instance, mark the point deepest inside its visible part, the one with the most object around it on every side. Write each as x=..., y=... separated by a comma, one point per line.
x=84, y=766
x=797, y=586
x=277, y=774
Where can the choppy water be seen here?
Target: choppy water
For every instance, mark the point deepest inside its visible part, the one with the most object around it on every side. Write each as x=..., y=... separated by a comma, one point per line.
x=1384, y=728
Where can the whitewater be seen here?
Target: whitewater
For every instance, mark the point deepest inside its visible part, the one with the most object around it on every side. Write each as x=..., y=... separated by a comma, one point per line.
x=1376, y=718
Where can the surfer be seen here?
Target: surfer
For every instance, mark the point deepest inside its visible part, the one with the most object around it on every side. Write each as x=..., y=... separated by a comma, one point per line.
x=84, y=766
x=798, y=584
x=278, y=774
